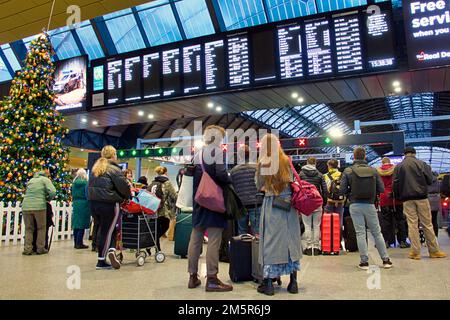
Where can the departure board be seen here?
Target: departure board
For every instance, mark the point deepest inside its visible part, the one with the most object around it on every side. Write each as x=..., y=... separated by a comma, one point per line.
x=347, y=33
x=215, y=66
x=115, y=81
x=379, y=41
x=192, y=68
x=133, y=79
x=263, y=53
x=171, y=72
x=238, y=61
x=318, y=47
x=152, y=75
x=290, y=51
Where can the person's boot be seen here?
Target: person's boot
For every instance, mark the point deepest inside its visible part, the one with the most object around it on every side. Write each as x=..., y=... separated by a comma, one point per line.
x=266, y=287
x=82, y=246
x=438, y=254
x=293, y=286
x=213, y=284
x=404, y=245
x=194, y=281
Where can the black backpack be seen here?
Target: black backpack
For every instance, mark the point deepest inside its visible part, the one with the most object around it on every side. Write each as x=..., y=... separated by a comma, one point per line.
x=334, y=192
x=156, y=188
x=363, y=183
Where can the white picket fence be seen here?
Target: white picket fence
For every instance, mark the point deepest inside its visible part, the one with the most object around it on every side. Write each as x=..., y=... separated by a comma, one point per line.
x=12, y=230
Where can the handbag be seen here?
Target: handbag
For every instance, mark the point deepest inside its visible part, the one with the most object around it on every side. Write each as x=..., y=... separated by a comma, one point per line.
x=209, y=195
x=185, y=199
x=282, y=203
x=305, y=197
x=149, y=202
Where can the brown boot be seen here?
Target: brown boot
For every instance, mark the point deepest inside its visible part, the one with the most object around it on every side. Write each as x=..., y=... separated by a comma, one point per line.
x=194, y=281
x=213, y=284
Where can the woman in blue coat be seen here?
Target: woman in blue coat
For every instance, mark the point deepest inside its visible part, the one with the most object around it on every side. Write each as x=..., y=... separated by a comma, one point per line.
x=81, y=216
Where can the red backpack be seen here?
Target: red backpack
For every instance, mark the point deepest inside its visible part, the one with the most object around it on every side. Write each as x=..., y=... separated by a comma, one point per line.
x=305, y=197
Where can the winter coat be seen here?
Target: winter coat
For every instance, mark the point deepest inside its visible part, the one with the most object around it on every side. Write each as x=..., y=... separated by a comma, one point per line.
x=336, y=175
x=235, y=208
x=111, y=187
x=203, y=217
x=280, y=236
x=386, y=172
x=243, y=177
x=434, y=195
x=411, y=179
x=310, y=174
x=170, y=198
x=81, y=215
x=39, y=190
x=346, y=183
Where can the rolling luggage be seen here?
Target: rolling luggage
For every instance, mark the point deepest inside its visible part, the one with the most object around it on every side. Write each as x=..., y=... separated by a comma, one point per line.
x=331, y=233
x=257, y=270
x=183, y=230
x=351, y=244
x=241, y=258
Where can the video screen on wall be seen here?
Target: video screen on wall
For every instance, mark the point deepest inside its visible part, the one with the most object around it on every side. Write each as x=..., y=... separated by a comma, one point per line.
x=70, y=84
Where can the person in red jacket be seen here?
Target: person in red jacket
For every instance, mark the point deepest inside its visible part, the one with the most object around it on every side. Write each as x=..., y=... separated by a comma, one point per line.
x=392, y=218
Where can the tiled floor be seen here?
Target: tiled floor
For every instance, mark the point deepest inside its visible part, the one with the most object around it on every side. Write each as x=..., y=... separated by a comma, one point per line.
x=322, y=277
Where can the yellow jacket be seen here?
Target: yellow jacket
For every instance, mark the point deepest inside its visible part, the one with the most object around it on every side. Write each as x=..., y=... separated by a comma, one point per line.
x=336, y=175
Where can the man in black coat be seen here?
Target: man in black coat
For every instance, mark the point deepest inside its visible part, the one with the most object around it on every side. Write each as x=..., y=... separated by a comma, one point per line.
x=410, y=184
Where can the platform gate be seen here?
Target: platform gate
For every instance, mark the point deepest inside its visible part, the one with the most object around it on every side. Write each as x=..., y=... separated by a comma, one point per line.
x=12, y=230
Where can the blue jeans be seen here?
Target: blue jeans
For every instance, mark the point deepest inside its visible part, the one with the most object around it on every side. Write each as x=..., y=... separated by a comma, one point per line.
x=361, y=214
x=78, y=235
x=253, y=217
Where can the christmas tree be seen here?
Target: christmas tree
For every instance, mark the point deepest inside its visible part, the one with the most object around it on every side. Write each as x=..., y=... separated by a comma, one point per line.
x=31, y=130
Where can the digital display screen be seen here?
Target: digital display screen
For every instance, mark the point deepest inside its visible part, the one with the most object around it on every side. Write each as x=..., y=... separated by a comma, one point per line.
x=263, y=53
x=427, y=29
x=70, y=84
x=192, y=68
x=318, y=47
x=115, y=81
x=215, y=65
x=99, y=78
x=133, y=79
x=379, y=41
x=290, y=51
x=171, y=72
x=348, y=43
x=152, y=75
x=238, y=61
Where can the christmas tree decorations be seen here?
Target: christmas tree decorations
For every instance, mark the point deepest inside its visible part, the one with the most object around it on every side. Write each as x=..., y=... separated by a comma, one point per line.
x=31, y=130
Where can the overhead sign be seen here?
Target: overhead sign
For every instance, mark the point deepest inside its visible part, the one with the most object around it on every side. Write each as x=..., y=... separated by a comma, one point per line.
x=320, y=156
x=427, y=28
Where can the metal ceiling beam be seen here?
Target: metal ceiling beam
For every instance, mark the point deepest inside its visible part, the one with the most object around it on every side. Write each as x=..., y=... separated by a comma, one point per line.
x=90, y=140
x=358, y=124
x=428, y=139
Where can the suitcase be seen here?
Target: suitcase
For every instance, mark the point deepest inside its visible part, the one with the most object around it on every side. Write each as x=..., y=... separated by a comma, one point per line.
x=183, y=230
x=331, y=233
x=351, y=244
x=241, y=258
x=257, y=270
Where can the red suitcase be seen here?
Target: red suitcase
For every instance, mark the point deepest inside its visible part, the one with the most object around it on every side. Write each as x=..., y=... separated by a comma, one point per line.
x=331, y=233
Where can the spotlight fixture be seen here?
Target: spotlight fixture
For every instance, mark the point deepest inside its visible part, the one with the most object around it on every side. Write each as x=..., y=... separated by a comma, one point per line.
x=397, y=89
x=294, y=95
x=210, y=105
x=95, y=123
x=300, y=100
x=335, y=132
x=396, y=83
x=141, y=113
x=84, y=120
x=218, y=108
x=151, y=116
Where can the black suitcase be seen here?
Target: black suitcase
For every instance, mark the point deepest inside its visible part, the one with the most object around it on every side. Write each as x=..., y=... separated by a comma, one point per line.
x=240, y=255
x=351, y=244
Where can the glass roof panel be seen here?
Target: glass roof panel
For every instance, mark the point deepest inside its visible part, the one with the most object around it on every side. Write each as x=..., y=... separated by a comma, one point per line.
x=12, y=59
x=4, y=73
x=239, y=14
x=125, y=33
x=331, y=5
x=64, y=44
x=195, y=18
x=287, y=9
x=90, y=41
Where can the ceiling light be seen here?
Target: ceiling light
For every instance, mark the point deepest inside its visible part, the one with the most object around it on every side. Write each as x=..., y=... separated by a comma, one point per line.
x=335, y=132
x=84, y=120
x=151, y=116
x=210, y=105
x=218, y=108
x=82, y=150
x=294, y=95
x=300, y=100
x=397, y=89
x=141, y=113
x=396, y=83
x=95, y=123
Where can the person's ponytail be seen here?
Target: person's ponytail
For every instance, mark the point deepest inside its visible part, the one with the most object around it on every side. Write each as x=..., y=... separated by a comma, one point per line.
x=100, y=167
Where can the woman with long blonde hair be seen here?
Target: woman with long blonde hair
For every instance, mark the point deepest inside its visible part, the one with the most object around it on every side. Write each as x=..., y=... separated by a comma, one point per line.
x=108, y=187
x=280, y=237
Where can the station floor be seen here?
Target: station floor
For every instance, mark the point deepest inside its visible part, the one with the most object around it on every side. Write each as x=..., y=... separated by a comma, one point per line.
x=322, y=277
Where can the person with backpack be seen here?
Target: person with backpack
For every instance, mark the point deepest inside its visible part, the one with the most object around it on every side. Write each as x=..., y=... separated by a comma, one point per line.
x=164, y=190
x=310, y=174
x=392, y=217
x=361, y=183
x=335, y=200
x=411, y=180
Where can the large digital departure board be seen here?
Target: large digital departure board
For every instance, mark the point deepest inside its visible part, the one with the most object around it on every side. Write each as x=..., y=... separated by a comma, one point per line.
x=115, y=81
x=215, y=67
x=192, y=68
x=133, y=78
x=290, y=51
x=152, y=75
x=318, y=47
x=171, y=72
x=238, y=61
x=263, y=53
x=347, y=33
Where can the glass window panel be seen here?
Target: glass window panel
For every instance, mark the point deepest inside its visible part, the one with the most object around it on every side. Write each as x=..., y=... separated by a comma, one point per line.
x=4, y=73
x=90, y=41
x=160, y=25
x=195, y=18
x=117, y=14
x=65, y=45
x=28, y=40
x=331, y=5
x=125, y=33
x=12, y=59
x=151, y=4
x=288, y=9
x=242, y=13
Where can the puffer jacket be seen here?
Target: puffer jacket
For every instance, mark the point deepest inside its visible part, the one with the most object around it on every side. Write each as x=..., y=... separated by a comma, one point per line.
x=111, y=187
x=386, y=172
x=335, y=175
x=411, y=179
x=244, y=184
x=310, y=174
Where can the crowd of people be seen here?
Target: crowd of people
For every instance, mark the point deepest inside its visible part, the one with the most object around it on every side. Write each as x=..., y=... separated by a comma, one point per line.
x=390, y=201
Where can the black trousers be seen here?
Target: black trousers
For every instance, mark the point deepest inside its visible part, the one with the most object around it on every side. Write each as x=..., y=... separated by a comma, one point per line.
x=105, y=217
x=163, y=226
x=434, y=215
x=392, y=219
